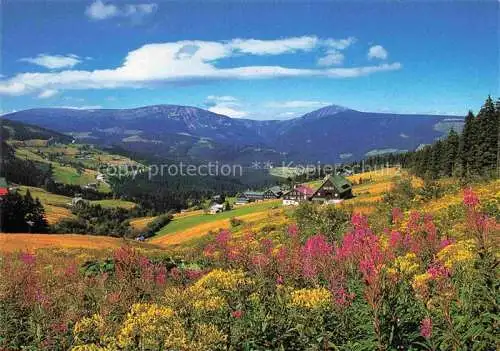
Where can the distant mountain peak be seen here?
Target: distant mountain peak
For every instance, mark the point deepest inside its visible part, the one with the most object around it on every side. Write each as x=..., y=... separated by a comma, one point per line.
x=329, y=110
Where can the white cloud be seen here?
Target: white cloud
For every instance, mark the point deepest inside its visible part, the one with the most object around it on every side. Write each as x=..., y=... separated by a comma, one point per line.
x=47, y=94
x=339, y=44
x=175, y=62
x=54, y=61
x=274, y=47
x=99, y=10
x=225, y=105
x=332, y=58
x=228, y=111
x=224, y=98
x=298, y=104
x=378, y=52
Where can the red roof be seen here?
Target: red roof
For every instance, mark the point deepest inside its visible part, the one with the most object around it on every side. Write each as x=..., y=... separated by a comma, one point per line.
x=304, y=189
x=4, y=191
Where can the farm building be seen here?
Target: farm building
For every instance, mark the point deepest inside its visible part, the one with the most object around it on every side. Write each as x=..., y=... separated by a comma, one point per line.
x=4, y=188
x=270, y=194
x=216, y=208
x=334, y=188
x=254, y=195
x=277, y=190
x=296, y=195
x=241, y=200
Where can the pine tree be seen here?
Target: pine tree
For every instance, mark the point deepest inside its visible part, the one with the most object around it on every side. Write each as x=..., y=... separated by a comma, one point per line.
x=450, y=154
x=497, y=110
x=466, y=148
x=487, y=137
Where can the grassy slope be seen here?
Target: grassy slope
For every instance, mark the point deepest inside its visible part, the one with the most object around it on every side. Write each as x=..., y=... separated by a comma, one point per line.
x=186, y=230
x=187, y=222
x=114, y=203
x=67, y=174
x=57, y=206
x=32, y=242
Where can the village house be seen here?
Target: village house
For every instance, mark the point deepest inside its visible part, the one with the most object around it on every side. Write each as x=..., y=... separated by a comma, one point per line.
x=4, y=188
x=241, y=200
x=216, y=208
x=254, y=195
x=297, y=195
x=334, y=189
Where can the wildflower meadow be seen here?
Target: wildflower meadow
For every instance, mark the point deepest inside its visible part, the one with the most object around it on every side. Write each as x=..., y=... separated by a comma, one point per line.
x=410, y=286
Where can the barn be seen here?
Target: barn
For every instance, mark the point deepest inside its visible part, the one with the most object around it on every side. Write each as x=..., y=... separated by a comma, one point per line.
x=334, y=188
x=296, y=195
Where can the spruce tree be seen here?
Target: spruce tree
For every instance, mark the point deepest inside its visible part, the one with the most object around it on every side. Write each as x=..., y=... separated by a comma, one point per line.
x=466, y=149
x=487, y=137
x=450, y=154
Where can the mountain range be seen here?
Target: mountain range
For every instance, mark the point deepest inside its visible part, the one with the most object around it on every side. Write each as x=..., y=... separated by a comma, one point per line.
x=330, y=134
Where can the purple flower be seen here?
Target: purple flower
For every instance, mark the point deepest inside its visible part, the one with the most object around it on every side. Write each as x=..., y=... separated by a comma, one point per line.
x=28, y=258
x=426, y=328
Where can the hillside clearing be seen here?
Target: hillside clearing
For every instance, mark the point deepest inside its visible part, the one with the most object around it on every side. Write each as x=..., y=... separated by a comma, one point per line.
x=183, y=223
x=32, y=242
x=110, y=203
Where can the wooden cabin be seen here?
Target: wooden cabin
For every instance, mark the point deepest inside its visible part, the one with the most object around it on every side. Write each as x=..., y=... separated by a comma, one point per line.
x=241, y=199
x=254, y=196
x=297, y=195
x=277, y=190
x=334, y=188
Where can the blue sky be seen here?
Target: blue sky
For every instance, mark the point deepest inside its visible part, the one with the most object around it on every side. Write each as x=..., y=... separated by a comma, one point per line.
x=250, y=59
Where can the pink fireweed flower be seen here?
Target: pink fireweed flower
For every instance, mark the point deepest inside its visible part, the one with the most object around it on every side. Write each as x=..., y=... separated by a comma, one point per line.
x=161, y=276
x=193, y=274
x=237, y=314
x=359, y=221
x=470, y=198
x=437, y=270
x=233, y=255
x=342, y=297
x=222, y=239
x=445, y=242
x=414, y=222
x=71, y=270
x=143, y=262
x=426, y=328
x=397, y=215
x=176, y=274
x=396, y=240
x=209, y=250
x=28, y=258
x=267, y=245
x=279, y=280
x=260, y=261
x=293, y=230
x=315, y=254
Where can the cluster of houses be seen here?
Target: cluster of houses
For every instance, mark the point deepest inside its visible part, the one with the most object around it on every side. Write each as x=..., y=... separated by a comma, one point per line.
x=333, y=189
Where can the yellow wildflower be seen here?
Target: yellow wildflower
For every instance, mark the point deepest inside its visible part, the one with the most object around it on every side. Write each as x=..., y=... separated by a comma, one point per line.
x=313, y=299
x=150, y=326
x=208, y=337
x=459, y=252
x=90, y=347
x=222, y=280
x=407, y=264
x=420, y=282
x=89, y=329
